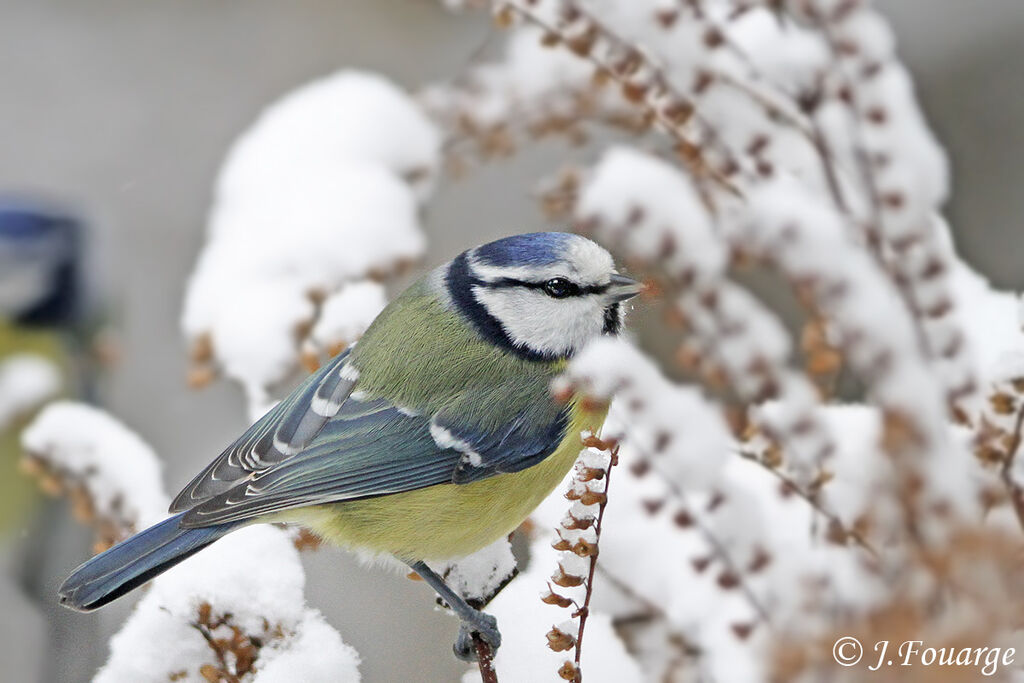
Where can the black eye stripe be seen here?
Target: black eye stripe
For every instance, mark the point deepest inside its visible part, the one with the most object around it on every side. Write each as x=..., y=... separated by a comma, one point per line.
x=508, y=282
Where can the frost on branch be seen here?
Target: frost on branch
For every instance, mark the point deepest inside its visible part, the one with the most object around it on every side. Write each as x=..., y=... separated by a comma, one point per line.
x=234, y=612
x=316, y=199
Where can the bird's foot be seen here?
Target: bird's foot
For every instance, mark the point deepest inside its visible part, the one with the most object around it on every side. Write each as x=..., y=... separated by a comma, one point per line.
x=482, y=625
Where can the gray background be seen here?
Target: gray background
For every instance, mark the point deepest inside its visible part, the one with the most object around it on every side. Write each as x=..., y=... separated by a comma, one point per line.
x=125, y=107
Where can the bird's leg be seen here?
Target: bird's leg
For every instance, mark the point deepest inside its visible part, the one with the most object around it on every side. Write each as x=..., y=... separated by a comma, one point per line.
x=473, y=620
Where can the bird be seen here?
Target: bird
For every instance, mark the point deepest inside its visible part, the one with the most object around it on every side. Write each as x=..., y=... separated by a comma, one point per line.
x=433, y=436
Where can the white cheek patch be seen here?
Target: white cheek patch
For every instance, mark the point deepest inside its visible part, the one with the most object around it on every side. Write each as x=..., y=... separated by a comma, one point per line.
x=542, y=323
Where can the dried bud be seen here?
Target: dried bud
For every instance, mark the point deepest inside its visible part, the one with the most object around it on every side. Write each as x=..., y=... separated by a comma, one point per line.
x=728, y=579
x=683, y=519
x=591, y=441
x=585, y=548
x=1002, y=403
x=701, y=563
x=653, y=505
x=568, y=671
x=590, y=474
x=202, y=349
x=560, y=641
x=835, y=533
x=824, y=362
x=310, y=362
x=877, y=115
x=210, y=673
x=713, y=38
x=635, y=91
x=760, y=560
x=678, y=112
x=504, y=17
x=199, y=376
x=583, y=43
x=566, y=580
x=772, y=456
x=574, y=523
x=743, y=631
x=640, y=468
x=561, y=544
x=553, y=598
x=666, y=17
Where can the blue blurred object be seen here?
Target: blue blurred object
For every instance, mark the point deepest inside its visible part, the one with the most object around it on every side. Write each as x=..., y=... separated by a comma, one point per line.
x=42, y=306
x=39, y=255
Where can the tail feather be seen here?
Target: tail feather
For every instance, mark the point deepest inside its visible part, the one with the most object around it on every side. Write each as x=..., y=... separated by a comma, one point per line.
x=134, y=561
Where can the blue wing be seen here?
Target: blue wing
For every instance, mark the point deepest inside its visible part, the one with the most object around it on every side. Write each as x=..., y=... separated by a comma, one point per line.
x=280, y=434
x=372, y=448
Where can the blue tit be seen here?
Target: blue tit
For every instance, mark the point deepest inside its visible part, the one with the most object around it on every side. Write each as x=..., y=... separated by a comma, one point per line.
x=432, y=437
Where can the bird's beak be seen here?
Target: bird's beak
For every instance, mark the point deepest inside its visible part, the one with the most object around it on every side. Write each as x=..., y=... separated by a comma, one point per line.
x=622, y=288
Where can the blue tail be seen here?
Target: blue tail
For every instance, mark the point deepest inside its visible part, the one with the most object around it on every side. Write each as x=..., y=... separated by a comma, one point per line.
x=134, y=561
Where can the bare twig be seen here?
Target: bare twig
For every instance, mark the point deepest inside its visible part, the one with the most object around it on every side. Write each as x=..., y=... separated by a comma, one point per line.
x=483, y=660
x=812, y=500
x=1015, y=490
x=584, y=611
x=664, y=104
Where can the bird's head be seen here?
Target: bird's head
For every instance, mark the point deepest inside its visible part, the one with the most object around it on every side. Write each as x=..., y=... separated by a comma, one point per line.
x=542, y=295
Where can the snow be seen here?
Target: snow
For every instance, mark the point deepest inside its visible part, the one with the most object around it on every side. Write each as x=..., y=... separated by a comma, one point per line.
x=675, y=426
x=347, y=313
x=481, y=575
x=120, y=471
x=26, y=380
x=989, y=316
x=320, y=194
x=646, y=207
x=252, y=578
x=314, y=654
x=255, y=580
x=729, y=544
x=353, y=115
x=529, y=75
x=524, y=619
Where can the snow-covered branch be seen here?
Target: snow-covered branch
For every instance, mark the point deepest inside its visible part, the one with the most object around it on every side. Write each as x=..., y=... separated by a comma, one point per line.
x=317, y=201
x=233, y=613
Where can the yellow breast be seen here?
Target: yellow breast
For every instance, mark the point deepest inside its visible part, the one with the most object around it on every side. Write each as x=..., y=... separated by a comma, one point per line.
x=449, y=520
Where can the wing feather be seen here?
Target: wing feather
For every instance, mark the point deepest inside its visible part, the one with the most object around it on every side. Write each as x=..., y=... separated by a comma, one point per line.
x=372, y=448
x=280, y=434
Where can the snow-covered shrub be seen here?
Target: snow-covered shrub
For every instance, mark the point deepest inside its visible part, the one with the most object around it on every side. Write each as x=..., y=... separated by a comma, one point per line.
x=235, y=612
x=729, y=527
x=315, y=201
x=758, y=513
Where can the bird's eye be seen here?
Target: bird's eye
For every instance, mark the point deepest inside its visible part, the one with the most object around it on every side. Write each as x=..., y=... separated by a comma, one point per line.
x=560, y=288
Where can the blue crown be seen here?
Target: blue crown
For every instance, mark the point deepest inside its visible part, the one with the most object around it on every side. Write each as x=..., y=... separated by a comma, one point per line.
x=530, y=249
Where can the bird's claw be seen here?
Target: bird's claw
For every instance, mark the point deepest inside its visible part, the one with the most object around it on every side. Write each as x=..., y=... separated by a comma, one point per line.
x=483, y=625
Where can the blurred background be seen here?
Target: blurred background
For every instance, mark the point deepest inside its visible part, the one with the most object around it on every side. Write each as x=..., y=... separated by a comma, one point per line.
x=119, y=113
